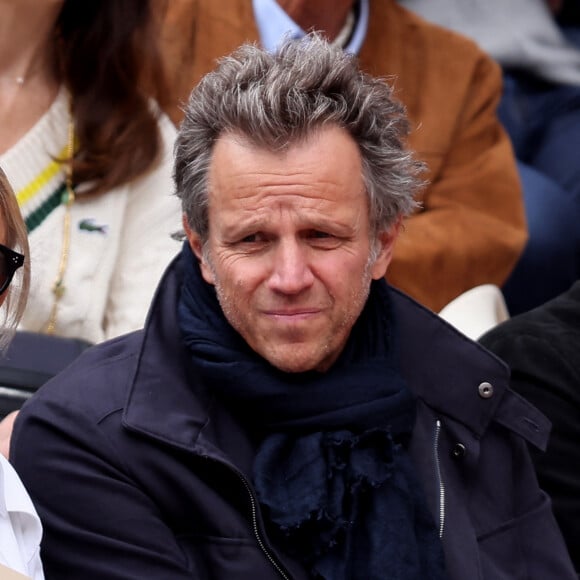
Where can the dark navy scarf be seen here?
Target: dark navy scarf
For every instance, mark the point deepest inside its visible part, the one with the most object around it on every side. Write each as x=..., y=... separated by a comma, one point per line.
x=332, y=473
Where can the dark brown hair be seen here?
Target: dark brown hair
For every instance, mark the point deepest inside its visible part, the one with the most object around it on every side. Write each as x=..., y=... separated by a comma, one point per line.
x=110, y=63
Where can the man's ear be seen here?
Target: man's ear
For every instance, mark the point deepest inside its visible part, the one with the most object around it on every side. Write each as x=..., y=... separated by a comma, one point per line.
x=386, y=240
x=197, y=248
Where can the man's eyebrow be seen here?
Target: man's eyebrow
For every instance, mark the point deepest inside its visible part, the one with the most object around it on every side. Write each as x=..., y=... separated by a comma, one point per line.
x=238, y=229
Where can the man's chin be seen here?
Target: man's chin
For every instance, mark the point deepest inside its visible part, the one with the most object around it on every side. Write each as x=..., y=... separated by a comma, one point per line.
x=293, y=361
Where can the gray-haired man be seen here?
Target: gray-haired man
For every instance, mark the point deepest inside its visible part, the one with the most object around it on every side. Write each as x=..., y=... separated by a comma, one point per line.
x=284, y=413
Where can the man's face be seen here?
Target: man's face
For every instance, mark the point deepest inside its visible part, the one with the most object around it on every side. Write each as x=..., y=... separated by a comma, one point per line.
x=289, y=245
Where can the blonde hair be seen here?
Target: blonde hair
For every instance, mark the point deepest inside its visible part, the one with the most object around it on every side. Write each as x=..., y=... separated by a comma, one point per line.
x=16, y=239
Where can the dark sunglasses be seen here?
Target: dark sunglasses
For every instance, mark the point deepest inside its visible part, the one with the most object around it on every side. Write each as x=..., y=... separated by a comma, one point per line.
x=10, y=261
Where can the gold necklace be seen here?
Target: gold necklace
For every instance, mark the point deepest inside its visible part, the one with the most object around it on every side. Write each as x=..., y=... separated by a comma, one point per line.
x=58, y=287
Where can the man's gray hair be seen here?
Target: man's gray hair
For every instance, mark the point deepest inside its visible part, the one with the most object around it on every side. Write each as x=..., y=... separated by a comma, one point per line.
x=277, y=100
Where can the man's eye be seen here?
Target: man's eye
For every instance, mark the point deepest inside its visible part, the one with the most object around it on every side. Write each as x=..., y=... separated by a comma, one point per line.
x=252, y=238
x=320, y=235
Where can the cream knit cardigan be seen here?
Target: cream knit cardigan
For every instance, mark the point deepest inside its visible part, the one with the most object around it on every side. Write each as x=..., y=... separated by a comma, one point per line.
x=120, y=241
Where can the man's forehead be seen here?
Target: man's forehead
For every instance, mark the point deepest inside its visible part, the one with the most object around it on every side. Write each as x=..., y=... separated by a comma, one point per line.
x=230, y=147
x=279, y=144
x=326, y=168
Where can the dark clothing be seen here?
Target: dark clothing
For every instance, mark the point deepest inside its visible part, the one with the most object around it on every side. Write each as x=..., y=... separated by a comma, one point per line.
x=332, y=472
x=542, y=347
x=137, y=472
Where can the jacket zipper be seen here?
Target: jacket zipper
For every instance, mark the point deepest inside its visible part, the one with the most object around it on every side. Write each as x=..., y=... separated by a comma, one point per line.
x=254, y=510
x=256, y=530
x=440, y=482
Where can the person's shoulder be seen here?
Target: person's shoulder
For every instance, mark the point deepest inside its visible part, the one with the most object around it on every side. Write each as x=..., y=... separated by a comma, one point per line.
x=167, y=135
x=426, y=55
x=156, y=187
x=549, y=322
x=417, y=325
x=541, y=345
x=167, y=128
x=447, y=42
x=97, y=382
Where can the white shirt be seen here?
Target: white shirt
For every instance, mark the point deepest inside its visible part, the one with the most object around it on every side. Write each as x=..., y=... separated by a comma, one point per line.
x=20, y=527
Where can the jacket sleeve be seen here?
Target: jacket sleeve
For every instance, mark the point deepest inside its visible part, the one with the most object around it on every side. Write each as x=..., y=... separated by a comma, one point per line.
x=543, y=376
x=537, y=534
x=98, y=523
x=471, y=229
x=152, y=214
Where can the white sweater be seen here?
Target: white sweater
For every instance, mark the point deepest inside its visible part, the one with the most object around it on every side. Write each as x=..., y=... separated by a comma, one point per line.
x=120, y=241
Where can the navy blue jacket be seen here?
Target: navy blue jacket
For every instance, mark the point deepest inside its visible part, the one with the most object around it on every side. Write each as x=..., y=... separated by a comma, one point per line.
x=138, y=473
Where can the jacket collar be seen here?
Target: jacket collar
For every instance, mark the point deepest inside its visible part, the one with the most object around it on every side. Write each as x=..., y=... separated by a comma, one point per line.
x=442, y=367
x=161, y=400
x=446, y=369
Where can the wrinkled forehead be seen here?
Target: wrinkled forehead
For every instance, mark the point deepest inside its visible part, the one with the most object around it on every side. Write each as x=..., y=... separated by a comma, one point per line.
x=329, y=156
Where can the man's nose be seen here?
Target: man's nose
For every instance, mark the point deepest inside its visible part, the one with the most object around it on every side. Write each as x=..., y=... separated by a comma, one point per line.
x=291, y=271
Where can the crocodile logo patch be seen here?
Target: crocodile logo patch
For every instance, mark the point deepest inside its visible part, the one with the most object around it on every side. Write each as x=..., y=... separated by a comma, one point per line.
x=91, y=225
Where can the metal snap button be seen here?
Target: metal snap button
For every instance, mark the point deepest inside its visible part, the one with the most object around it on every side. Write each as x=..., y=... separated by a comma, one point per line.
x=485, y=390
x=458, y=451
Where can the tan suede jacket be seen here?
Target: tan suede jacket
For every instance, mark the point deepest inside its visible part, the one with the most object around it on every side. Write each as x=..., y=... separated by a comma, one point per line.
x=471, y=228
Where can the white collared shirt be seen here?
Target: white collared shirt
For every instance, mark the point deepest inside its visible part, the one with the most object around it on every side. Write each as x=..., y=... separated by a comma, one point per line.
x=20, y=527
x=274, y=25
